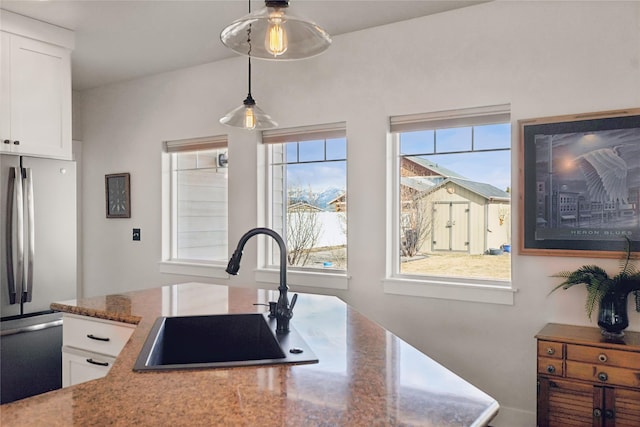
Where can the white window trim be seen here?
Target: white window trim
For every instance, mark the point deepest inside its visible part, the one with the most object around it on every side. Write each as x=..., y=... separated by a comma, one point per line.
x=311, y=278
x=451, y=288
x=198, y=269
x=168, y=264
x=459, y=289
x=308, y=279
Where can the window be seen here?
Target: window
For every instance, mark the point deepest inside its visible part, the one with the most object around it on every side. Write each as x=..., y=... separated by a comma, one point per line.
x=197, y=200
x=307, y=203
x=453, y=196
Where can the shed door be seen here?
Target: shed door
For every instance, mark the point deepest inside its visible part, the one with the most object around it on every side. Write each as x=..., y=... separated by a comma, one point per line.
x=450, y=226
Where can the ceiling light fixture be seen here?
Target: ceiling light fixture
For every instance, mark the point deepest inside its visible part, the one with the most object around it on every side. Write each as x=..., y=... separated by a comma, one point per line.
x=248, y=116
x=286, y=37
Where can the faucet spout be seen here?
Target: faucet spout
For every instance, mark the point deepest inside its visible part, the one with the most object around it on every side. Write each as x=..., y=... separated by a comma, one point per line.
x=284, y=311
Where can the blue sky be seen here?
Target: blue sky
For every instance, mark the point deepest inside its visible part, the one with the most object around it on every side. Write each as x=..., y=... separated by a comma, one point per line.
x=489, y=167
x=447, y=150
x=318, y=176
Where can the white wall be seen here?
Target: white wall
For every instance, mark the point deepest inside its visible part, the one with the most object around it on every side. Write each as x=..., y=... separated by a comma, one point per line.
x=545, y=58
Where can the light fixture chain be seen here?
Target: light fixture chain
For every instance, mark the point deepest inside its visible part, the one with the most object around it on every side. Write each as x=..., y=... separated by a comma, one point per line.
x=249, y=76
x=249, y=52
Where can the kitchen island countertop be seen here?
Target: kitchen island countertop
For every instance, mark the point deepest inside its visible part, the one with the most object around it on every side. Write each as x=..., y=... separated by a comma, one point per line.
x=366, y=376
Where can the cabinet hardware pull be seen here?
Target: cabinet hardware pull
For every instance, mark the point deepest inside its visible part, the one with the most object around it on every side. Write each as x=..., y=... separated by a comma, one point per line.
x=602, y=357
x=602, y=376
x=16, y=142
x=93, y=362
x=6, y=141
x=609, y=414
x=550, y=351
x=551, y=369
x=93, y=337
x=597, y=412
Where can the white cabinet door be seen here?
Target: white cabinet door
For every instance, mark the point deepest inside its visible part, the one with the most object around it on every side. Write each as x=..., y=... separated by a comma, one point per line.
x=35, y=97
x=90, y=346
x=6, y=144
x=80, y=366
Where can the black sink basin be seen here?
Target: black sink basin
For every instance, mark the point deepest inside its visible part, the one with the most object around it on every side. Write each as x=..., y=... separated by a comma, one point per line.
x=219, y=341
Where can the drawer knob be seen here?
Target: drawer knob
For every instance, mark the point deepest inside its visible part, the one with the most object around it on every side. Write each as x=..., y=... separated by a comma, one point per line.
x=597, y=412
x=602, y=376
x=602, y=357
x=16, y=142
x=551, y=351
x=6, y=141
x=93, y=337
x=609, y=414
x=551, y=369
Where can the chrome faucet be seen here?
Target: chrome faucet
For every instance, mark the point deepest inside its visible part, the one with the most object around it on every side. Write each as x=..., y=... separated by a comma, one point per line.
x=283, y=310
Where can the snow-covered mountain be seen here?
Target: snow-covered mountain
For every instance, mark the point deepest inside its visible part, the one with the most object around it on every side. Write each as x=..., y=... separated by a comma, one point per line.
x=320, y=200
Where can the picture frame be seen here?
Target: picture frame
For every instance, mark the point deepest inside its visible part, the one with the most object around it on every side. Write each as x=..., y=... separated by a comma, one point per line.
x=117, y=195
x=579, y=184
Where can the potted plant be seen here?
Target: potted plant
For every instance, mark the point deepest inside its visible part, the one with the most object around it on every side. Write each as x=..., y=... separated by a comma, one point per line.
x=610, y=293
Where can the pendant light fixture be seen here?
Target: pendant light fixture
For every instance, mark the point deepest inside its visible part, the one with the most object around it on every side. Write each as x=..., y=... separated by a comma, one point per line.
x=248, y=115
x=285, y=37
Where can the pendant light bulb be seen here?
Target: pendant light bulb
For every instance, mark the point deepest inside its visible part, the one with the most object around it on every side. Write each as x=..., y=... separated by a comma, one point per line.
x=276, y=36
x=249, y=118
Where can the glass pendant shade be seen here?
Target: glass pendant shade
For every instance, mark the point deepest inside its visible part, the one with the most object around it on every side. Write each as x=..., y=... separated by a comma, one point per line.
x=248, y=116
x=274, y=34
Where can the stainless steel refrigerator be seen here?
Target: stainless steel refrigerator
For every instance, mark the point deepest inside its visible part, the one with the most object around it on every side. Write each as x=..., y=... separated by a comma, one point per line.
x=38, y=266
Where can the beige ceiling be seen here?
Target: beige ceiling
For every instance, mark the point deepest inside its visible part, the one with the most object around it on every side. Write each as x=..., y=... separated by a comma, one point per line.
x=121, y=40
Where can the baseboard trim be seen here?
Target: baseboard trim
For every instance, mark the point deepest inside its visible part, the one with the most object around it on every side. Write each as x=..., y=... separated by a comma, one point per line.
x=514, y=417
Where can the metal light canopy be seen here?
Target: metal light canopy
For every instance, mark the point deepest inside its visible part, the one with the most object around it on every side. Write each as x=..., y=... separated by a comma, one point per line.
x=248, y=116
x=280, y=36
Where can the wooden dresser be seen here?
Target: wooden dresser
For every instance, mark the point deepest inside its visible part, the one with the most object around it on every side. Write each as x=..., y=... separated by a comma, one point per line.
x=586, y=380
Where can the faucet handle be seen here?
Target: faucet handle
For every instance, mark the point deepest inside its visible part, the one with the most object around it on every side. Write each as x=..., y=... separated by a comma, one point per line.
x=293, y=302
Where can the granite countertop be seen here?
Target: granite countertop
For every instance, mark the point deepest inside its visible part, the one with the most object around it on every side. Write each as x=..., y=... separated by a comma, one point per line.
x=365, y=376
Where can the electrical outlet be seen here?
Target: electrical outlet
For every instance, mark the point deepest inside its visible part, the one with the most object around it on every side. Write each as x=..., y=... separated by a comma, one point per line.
x=136, y=234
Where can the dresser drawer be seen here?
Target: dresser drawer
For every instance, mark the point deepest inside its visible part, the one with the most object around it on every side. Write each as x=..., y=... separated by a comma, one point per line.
x=550, y=349
x=549, y=366
x=603, y=374
x=95, y=335
x=603, y=356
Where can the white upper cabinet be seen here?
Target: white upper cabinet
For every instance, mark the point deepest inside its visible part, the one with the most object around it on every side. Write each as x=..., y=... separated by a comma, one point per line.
x=35, y=88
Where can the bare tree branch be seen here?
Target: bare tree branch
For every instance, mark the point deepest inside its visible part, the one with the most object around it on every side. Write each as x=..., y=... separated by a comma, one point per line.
x=303, y=229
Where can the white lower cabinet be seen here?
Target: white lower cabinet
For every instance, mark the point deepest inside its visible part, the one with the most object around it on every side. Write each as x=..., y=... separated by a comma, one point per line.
x=90, y=346
x=79, y=366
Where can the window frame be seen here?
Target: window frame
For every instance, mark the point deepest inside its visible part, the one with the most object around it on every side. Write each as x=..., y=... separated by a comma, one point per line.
x=432, y=286
x=299, y=276
x=169, y=263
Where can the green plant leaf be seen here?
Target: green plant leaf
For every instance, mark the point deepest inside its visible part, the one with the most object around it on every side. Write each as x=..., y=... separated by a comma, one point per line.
x=598, y=282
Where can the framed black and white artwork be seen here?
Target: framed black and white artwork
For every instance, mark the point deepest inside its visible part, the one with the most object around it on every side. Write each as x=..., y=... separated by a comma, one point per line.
x=580, y=184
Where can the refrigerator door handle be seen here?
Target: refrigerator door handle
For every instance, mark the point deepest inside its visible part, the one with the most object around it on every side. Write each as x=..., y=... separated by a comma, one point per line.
x=9, y=229
x=27, y=290
x=14, y=229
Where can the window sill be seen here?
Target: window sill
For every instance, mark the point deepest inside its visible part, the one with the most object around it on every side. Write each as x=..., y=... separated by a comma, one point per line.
x=480, y=291
x=305, y=278
x=194, y=269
